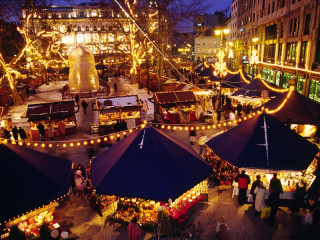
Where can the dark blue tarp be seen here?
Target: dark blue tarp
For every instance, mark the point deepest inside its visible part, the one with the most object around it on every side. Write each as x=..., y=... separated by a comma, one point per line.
x=148, y=164
x=207, y=72
x=30, y=179
x=297, y=109
x=263, y=142
x=234, y=81
x=254, y=89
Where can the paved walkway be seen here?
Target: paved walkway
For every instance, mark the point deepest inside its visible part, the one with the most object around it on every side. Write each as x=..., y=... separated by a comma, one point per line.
x=82, y=222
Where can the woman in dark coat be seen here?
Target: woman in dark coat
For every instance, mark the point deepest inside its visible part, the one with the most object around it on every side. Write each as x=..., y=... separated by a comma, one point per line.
x=164, y=222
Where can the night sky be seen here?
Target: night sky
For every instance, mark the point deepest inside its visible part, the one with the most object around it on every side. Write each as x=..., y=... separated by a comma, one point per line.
x=215, y=4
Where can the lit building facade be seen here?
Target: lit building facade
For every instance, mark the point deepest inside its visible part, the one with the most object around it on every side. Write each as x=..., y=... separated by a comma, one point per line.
x=102, y=28
x=288, y=44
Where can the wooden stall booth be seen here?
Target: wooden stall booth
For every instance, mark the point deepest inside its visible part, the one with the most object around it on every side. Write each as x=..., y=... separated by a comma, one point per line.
x=175, y=107
x=54, y=113
x=118, y=113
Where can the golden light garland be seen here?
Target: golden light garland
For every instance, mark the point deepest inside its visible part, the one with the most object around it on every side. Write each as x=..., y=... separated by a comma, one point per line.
x=283, y=103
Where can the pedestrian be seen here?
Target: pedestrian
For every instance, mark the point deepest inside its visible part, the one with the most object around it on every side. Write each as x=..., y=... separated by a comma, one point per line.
x=164, y=223
x=201, y=141
x=260, y=192
x=134, y=232
x=23, y=135
x=298, y=198
x=44, y=232
x=77, y=98
x=222, y=230
x=84, y=105
x=115, y=86
x=255, y=184
x=243, y=181
x=275, y=190
x=15, y=133
x=192, y=135
x=79, y=182
x=16, y=233
x=123, y=125
x=50, y=131
x=7, y=134
x=42, y=131
x=61, y=129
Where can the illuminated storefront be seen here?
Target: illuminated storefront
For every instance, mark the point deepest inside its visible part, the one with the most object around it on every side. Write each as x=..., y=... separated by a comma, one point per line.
x=314, y=90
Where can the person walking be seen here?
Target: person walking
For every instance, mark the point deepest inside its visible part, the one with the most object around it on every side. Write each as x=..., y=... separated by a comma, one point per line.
x=23, y=135
x=77, y=99
x=115, y=87
x=7, y=134
x=134, y=232
x=50, y=131
x=42, y=131
x=61, y=129
x=260, y=192
x=243, y=181
x=192, y=135
x=275, y=190
x=255, y=184
x=15, y=133
x=84, y=105
x=222, y=230
x=163, y=222
x=201, y=141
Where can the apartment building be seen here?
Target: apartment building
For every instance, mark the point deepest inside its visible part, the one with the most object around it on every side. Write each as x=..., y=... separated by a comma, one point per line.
x=288, y=41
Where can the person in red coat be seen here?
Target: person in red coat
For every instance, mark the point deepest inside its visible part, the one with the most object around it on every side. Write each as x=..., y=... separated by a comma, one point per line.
x=134, y=232
x=243, y=181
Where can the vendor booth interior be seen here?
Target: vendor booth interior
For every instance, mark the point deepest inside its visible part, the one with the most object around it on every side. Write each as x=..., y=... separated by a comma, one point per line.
x=113, y=111
x=53, y=113
x=175, y=107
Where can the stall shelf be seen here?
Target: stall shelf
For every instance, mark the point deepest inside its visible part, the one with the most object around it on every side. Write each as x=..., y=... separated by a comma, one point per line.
x=54, y=112
x=113, y=110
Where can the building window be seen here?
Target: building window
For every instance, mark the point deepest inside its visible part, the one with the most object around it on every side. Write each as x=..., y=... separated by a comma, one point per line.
x=273, y=6
x=269, y=52
x=286, y=78
x=267, y=74
x=307, y=24
x=95, y=28
x=283, y=2
x=279, y=52
x=303, y=51
x=79, y=29
x=102, y=28
x=314, y=91
x=278, y=78
x=81, y=14
x=271, y=32
x=110, y=28
x=87, y=28
x=293, y=1
x=281, y=30
x=300, y=82
x=291, y=51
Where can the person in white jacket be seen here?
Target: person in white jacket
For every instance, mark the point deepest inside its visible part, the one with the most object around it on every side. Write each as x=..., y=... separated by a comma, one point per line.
x=260, y=192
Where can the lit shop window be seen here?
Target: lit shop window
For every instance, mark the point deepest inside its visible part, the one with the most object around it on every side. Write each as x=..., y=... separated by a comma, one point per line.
x=95, y=37
x=80, y=38
x=67, y=40
x=94, y=14
x=111, y=37
x=87, y=38
x=314, y=93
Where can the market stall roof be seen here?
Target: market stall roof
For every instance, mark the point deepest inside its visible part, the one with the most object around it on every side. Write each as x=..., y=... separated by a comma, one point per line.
x=297, y=108
x=148, y=164
x=264, y=142
x=118, y=102
x=46, y=111
x=30, y=180
x=174, y=97
x=234, y=81
x=253, y=90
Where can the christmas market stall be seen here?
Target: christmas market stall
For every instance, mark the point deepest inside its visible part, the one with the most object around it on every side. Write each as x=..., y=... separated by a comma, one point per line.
x=263, y=145
x=147, y=169
x=293, y=108
x=55, y=113
x=118, y=113
x=176, y=107
x=32, y=183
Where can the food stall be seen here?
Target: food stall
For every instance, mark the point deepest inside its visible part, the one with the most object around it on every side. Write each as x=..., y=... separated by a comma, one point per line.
x=113, y=109
x=31, y=222
x=175, y=107
x=54, y=112
x=146, y=210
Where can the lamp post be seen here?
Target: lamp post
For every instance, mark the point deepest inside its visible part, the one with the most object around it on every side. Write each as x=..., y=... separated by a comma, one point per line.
x=220, y=70
x=254, y=58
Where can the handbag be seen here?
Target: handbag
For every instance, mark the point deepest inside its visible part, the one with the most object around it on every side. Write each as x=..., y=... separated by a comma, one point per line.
x=250, y=198
x=265, y=212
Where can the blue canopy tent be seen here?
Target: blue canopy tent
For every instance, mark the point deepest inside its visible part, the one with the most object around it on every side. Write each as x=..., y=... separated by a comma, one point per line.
x=263, y=142
x=148, y=164
x=234, y=81
x=297, y=108
x=207, y=72
x=30, y=179
x=199, y=68
x=253, y=90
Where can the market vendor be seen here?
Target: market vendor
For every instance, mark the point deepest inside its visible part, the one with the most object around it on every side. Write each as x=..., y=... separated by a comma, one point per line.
x=164, y=222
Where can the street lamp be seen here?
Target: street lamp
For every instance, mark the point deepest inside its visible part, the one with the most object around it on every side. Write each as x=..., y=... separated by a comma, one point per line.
x=220, y=69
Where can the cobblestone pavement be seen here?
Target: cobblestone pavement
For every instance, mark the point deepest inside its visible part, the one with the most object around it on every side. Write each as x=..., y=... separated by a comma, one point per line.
x=76, y=216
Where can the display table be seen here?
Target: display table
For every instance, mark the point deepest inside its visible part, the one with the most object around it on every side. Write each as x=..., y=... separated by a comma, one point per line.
x=284, y=195
x=177, y=214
